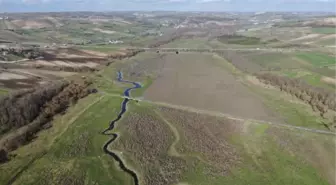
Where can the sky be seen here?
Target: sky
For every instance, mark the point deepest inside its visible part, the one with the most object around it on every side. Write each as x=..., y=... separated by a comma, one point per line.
x=169, y=5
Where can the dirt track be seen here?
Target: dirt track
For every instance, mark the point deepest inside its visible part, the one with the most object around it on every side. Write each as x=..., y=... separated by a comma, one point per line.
x=195, y=80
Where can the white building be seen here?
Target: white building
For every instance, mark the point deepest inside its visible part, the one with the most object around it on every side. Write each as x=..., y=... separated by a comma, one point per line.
x=116, y=41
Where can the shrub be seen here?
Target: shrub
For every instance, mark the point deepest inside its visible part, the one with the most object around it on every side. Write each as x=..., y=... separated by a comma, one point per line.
x=320, y=99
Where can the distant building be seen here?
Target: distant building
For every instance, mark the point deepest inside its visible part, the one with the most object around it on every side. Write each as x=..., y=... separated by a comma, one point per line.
x=116, y=42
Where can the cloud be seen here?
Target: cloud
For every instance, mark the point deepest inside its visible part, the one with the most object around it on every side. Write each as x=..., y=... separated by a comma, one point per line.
x=163, y=1
x=35, y=1
x=199, y=5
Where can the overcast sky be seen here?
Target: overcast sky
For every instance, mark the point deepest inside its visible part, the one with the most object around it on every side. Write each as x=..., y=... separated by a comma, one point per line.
x=180, y=5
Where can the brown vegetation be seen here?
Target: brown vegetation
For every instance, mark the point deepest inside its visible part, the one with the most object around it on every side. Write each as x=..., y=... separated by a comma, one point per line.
x=320, y=99
x=29, y=53
x=26, y=112
x=199, y=81
x=147, y=141
x=24, y=106
x=207, y=136
x=127, y=54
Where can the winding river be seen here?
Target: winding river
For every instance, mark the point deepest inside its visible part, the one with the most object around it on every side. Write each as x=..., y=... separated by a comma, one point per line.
x=114, y=135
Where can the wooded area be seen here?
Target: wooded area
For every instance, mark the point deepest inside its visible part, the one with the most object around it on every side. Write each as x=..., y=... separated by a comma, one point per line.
x=26, y=112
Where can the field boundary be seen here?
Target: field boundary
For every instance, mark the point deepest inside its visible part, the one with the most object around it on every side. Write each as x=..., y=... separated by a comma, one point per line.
x=223, y=115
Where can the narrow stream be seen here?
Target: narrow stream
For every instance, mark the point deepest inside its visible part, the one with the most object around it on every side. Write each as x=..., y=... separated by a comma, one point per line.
x=114, y=135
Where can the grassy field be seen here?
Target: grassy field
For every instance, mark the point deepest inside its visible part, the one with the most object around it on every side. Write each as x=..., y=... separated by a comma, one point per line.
x=317, y=59
x=240, y=40
x=290, y=109
x=273, y=60
x=188, y=43
x=269, y=161
x=324, y=30
x=200, y=126
x=71, y=151
x=310, y=67
x=75, y=154
x=240, y=152
x=3, y=91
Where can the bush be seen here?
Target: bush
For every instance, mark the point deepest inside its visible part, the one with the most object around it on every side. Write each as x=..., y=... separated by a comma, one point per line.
x=22, y=107
x=320, y=99
x=29, y=111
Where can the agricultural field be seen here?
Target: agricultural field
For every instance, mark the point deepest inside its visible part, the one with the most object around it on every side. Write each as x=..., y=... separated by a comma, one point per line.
x=255, y=106
x=224, y=94
x=312, y=67
x=240, y=40
x=324, y=30
x=318, y=60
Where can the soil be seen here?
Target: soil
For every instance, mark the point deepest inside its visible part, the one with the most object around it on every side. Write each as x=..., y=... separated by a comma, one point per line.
x=30, y=24
x=310, y=36
x=195, y=80
x=18, y=83
x=329, y=80
x=8, y=76
x=104, y=31
x=44, y=73
x=61, y=63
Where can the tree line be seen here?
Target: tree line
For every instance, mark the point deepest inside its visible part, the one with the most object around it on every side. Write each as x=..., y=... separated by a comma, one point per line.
x=26, y=112
x=318, y=98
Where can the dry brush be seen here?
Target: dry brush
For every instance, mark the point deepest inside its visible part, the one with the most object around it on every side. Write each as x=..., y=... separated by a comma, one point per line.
x=26, y=112
x=319, y=99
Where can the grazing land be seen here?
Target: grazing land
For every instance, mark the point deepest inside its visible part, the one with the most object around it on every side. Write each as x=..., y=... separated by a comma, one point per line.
x=240, y=40
x=318, y=59
x=167, y=98
x=205, y=85
x=324, y=30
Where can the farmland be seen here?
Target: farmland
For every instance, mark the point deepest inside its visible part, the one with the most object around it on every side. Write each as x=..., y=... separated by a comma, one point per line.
x=324, y=30
x=179, y=80
x=240, y=40
x=104, y=103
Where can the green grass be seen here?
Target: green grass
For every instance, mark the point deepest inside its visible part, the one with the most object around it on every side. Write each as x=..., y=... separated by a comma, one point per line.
x=265, y=162
x=139, y=92
x=274, y=61
x=307, y=76
x=188, y=43
x=240, y=40
x=324, y=30
x=73, y=146
x=3, y=91
x=291, y=74
x=317, y=59
x=11, y=57
x=262, y=161
x=106, y=80
x=290, y=109
x=76, y=154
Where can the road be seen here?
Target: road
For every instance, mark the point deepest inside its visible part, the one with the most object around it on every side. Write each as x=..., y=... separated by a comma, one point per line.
x=218, y=50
